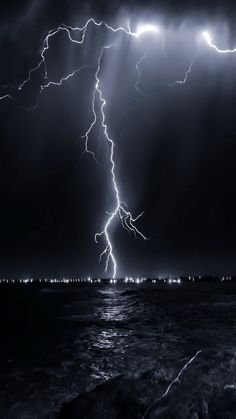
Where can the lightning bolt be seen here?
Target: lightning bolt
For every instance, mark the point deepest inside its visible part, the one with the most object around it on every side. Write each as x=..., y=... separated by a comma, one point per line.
x=139, y=74
x=186, y=76
x=120, y=210
x=206, y=35
x=63, y=79
x=59, y=83
x=69, y=30
x=126, y=218
x=175, y=381
x=7, y=96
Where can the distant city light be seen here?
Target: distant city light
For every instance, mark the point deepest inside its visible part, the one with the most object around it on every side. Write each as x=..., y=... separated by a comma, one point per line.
x=113, y=281
x=127, y=280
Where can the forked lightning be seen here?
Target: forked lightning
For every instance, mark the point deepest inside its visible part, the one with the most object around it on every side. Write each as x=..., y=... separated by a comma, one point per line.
x=120, y=209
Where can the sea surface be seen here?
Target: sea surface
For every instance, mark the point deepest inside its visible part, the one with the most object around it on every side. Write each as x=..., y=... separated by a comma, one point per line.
x=59, y=341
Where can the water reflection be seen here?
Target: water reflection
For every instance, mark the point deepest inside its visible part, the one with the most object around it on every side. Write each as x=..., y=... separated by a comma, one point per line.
x=114, y=308
x=106, y=339
x=110, y=338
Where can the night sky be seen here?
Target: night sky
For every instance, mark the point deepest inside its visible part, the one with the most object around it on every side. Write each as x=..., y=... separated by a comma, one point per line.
x=175, y=146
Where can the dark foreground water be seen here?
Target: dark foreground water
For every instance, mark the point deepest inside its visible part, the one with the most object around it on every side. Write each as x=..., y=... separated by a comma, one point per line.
x=56, y=343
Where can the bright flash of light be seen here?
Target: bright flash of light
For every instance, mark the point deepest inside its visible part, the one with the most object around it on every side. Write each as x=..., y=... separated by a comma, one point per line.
x=208, y=38
x=69, y=30
x=141, y=29
x=120, y=210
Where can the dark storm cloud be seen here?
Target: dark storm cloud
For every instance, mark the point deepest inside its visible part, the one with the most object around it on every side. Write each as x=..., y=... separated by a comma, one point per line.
x=175, y=147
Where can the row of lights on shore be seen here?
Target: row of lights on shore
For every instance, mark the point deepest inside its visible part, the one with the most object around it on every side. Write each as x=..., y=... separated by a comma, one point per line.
x=141, y=280
x=129, y=280
x=169, y=281
x=89, y=280
x=51, y=280
x=134, y=280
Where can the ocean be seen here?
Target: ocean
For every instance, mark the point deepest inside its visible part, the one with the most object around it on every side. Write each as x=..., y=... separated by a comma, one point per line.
x=59, y=342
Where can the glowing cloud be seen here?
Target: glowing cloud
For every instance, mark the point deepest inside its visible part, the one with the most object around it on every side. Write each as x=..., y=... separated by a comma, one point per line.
x=141, y=29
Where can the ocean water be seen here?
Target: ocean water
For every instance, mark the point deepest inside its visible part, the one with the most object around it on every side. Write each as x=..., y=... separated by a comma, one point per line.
x=58, y=342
